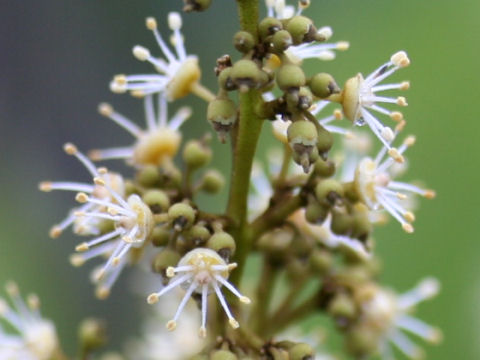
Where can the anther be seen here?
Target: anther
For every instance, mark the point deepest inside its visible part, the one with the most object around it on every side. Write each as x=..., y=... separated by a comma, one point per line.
x=45, y=186
x=82, y=247
x=170, y=272
x=171, y=325
x=152, y=299
x=81, y=197
x=105, y=109
x=141, y=53
x=151, y=23
x=70, y=149
x=401, y=101
x=408, y=228
x=55, y=232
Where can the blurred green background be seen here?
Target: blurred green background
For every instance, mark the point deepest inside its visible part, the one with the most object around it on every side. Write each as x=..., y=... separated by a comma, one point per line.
x=58, y=56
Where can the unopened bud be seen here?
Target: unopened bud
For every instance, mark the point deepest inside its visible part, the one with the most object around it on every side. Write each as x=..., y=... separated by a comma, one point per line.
x=92, y=334
x=301, y=28
x=223, y=243
x=196, y=154
x=290, y=77
x=243, y=41
x=157, y=200
x=165, y=259
x=212, y=182
x=222, y=114
x=329, y=191
x=323, y=85
x=181, y=216
x=269, y=26
x=196, y=5
x=281, y=41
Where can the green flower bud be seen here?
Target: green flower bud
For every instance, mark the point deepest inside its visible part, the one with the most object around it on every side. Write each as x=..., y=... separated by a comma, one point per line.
x=342, y=306
x=149, y=176
x=301, y=351
x=321, y=261
x=196, y=5
x=329, y=191
x=315, y=213
x=92, y=334
x=225, y=81
x=323, y=85
x=362, y=226
x=212, y=182
x=269, y=26
x=222, y=114
x=301, y=28
x=160, y=235
x=302, y=137
x=362, y=341
x=198, y=235
x=164, y=259
x=290, y=77
x=324, y=168
x=130, y=188
x=181, y=215
x=341, y=223
x=157, y=200
x=324, y=142
x=243, y=41
x=223, y=243
x=246, y=75
x=223, y=355
x=276, y=242
x=196, y=154
x=281, y=41
x=301, y=100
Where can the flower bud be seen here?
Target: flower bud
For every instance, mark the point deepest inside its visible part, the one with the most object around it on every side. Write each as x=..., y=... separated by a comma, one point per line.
x=329, y=191
x=222, y=114
x=320, y=261
x=212, y=182
x=164, y=259
x=223, y=355
x=281, y=41
x=324, y=168
x=302, y=137
x=160, y=235
x=196, y=154
x=181, y=216
x=301, y=351
x=269, y=26
x=324, y=141
x=341, y=223
x=290, y=77
x=200, y=357
x=223, y=243
x=301, y=100
x=315, y=213
x=246, y=75
x=225, y=81
x=243, y=41
x=323, y=85
x=342, y=306
x=362, y=226
x=92, y=334
x=196, y=5
x=301, y=28
x=198, y=235
x=149, y=176
x=157, y=200
x=362, y=341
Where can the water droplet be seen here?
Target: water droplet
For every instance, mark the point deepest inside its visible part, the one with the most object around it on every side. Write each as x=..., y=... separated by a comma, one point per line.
x=360, y=121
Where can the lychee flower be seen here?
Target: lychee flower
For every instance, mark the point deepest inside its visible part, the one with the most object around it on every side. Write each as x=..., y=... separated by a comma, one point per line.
x=200, y=271
x=355, y=147
x=374, y=182
x=388, y=315
x=84, y=226
x=132, y=224
x=31, y=337
x=317, y=50
x=158, y=143
x=177, y=71
x=324, y=235
x=280, y=125
x=360, y=96
x=280, y=10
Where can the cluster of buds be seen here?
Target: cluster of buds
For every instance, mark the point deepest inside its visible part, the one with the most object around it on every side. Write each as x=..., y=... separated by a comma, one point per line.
x=310, y=216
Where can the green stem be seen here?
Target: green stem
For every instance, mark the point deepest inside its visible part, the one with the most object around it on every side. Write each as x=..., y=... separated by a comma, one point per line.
x=264, y=293
x=202, y=92
x=287, y=158
x=248, y=14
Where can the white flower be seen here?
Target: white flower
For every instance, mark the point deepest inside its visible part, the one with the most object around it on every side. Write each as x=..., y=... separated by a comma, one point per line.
x=84, y=226
x=33, y=337
x=158, y=143
x=278, y=8
x=323, y=234
x=178, y=72
x=159, y=344
x=200, y=271
x=316, y=50
x=355, y=147
x=388, y=314
x=360, y=96
x=132, y=222
x=374, y=181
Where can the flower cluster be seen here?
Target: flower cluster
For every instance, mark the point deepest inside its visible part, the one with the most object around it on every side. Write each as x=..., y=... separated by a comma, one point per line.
x=33, y=337
x=302, y=224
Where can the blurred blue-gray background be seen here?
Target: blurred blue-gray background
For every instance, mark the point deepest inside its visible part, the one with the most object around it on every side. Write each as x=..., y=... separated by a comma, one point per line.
x=57, y=57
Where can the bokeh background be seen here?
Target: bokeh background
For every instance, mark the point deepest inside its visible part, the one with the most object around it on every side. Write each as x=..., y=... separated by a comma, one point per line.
x=57, y=58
